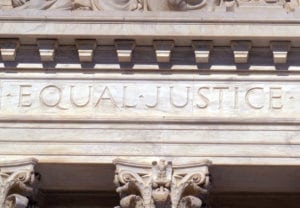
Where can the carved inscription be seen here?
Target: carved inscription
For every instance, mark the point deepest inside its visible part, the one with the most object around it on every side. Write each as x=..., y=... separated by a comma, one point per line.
x=52, y=96
x=142, y=99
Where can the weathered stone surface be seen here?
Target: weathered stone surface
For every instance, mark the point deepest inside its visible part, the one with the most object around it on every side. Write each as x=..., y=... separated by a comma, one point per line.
x=152, y=5
x=17, y=183
x=161, y=185
x=150, y=100
x=181, y=81
x=202, y=50
x=8, y=49
x=124, y=50
x=39, y=116
x=100, y=107
x=47, y=49
x=145, y=27
x=241, y=51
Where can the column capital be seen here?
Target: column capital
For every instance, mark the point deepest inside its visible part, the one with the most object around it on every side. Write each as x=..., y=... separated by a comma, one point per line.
x=17, y=183
x=162, y=184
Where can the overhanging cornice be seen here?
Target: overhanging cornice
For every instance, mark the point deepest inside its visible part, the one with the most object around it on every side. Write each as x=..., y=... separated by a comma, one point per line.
x=144, y=27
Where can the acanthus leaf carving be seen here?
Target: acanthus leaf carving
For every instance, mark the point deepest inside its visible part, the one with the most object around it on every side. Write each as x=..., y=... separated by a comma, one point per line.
x=161, y=185
x=17, y=183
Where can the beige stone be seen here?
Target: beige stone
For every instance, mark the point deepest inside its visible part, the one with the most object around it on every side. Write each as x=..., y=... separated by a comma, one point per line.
x=8, y=48
x=17, y=182
x=86, y=49
x=161, y=185
x=124, y=50
x=47, y=49
x=280, y=51
x=241, y=51
x=169, y=82
x=163, y=50
x=202, y=50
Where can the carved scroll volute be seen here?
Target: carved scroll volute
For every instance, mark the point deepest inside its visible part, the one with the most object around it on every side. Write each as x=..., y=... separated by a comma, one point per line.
x=17, y=183
x=133, y=183
x=190, y=185
x=161, y=185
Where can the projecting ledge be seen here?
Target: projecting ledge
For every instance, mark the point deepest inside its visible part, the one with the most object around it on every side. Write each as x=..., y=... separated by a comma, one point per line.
x=66, y=26
x=92, y=160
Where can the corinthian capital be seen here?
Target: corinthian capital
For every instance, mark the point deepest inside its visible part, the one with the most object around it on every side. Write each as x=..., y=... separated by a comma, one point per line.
x=161, y=185
x=17, y=183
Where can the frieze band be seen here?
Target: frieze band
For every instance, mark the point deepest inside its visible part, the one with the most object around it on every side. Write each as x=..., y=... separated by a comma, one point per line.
x=203, y=97
x=146, y=5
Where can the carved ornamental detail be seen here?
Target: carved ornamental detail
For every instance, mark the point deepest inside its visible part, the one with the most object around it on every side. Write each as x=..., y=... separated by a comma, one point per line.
x=17, y=183
x=162, y=185
x=146, y=5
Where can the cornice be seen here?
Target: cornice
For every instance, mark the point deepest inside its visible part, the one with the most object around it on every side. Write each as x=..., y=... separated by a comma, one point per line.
x=144, y=27
x=257, y=15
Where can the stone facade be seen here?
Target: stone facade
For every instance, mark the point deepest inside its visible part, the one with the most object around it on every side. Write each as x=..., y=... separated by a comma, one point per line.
x=96, y=91
x=148, y=5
